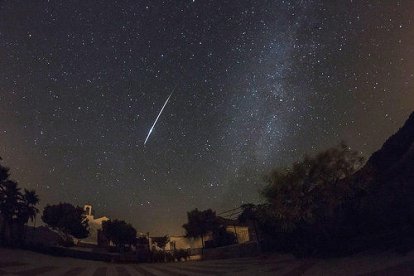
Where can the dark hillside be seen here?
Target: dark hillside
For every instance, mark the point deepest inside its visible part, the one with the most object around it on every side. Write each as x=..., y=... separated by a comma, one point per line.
x=384, y=211
x=395, y=149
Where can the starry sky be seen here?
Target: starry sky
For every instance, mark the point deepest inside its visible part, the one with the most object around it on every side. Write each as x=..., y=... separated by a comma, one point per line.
x=257, y=84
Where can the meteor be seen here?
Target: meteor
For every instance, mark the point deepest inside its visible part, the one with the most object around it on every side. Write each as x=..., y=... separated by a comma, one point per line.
x=156, y=120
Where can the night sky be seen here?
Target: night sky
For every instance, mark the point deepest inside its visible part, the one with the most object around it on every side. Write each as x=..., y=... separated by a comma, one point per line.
x=257, y=84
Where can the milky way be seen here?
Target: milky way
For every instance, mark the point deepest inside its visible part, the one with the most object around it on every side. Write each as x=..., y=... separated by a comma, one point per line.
x=260, y=84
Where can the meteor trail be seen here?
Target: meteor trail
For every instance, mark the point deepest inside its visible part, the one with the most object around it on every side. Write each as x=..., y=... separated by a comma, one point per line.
x=159, y=114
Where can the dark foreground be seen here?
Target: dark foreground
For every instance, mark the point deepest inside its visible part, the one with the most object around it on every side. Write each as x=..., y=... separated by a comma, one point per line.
x=19, y=262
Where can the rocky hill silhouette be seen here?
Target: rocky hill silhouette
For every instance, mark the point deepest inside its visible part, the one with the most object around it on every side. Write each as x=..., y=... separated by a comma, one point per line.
x=396, y=153
x=383, y=213
x=393, y=162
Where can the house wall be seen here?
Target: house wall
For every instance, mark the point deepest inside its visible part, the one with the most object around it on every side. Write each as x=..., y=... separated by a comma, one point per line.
x=95, y=225
x=242, y=233
x=182, y=242
x=93, y=232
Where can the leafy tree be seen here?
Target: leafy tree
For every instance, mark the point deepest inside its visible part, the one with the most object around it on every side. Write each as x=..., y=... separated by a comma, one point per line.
x=306, y=202
x=200, y=223
x=67, y=219
x=314, y=187
x=181, y=254
x=119, y=232
x=161, y=241
x=250, y=215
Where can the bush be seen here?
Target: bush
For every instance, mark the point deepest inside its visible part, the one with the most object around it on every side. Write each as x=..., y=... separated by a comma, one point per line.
x=160, y=256
x=181, y=255
x=67, y=219
x=308, y=204
x=157, y=256
x=120, y=233
x=66, y=242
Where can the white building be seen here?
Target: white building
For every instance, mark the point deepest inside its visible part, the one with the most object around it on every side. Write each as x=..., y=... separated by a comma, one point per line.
x=95, y=226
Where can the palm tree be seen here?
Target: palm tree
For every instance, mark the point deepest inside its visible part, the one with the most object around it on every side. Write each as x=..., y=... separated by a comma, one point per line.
x=31, y=199
x=26, y=210
x=15, y=208
x=4, y=173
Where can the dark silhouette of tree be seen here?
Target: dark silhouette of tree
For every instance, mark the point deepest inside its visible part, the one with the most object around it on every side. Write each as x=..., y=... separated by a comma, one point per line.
x=10, y=197
x=119, y=232
x=4, y=176
x=328, y=205
x=250, y=216
x=30, y=200
x=248, y=213
x=384, y=213
x=26, y=210
x=312, y=188
x=67, y=219
x=4, y=173
x=200, y=223
x=161, y=241
x=15, y=208
x=306, y=202
x=221, y=237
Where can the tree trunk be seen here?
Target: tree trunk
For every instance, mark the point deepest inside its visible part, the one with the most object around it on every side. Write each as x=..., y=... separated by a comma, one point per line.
x=24, y=233
x=257, y=236
x=34, y=229
x=202, y=244
x=3, y=232
x=4, y=236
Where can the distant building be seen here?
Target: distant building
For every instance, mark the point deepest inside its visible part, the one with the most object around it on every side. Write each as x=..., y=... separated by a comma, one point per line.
x=95, y=228
x=241, y=232
x=178, y=242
